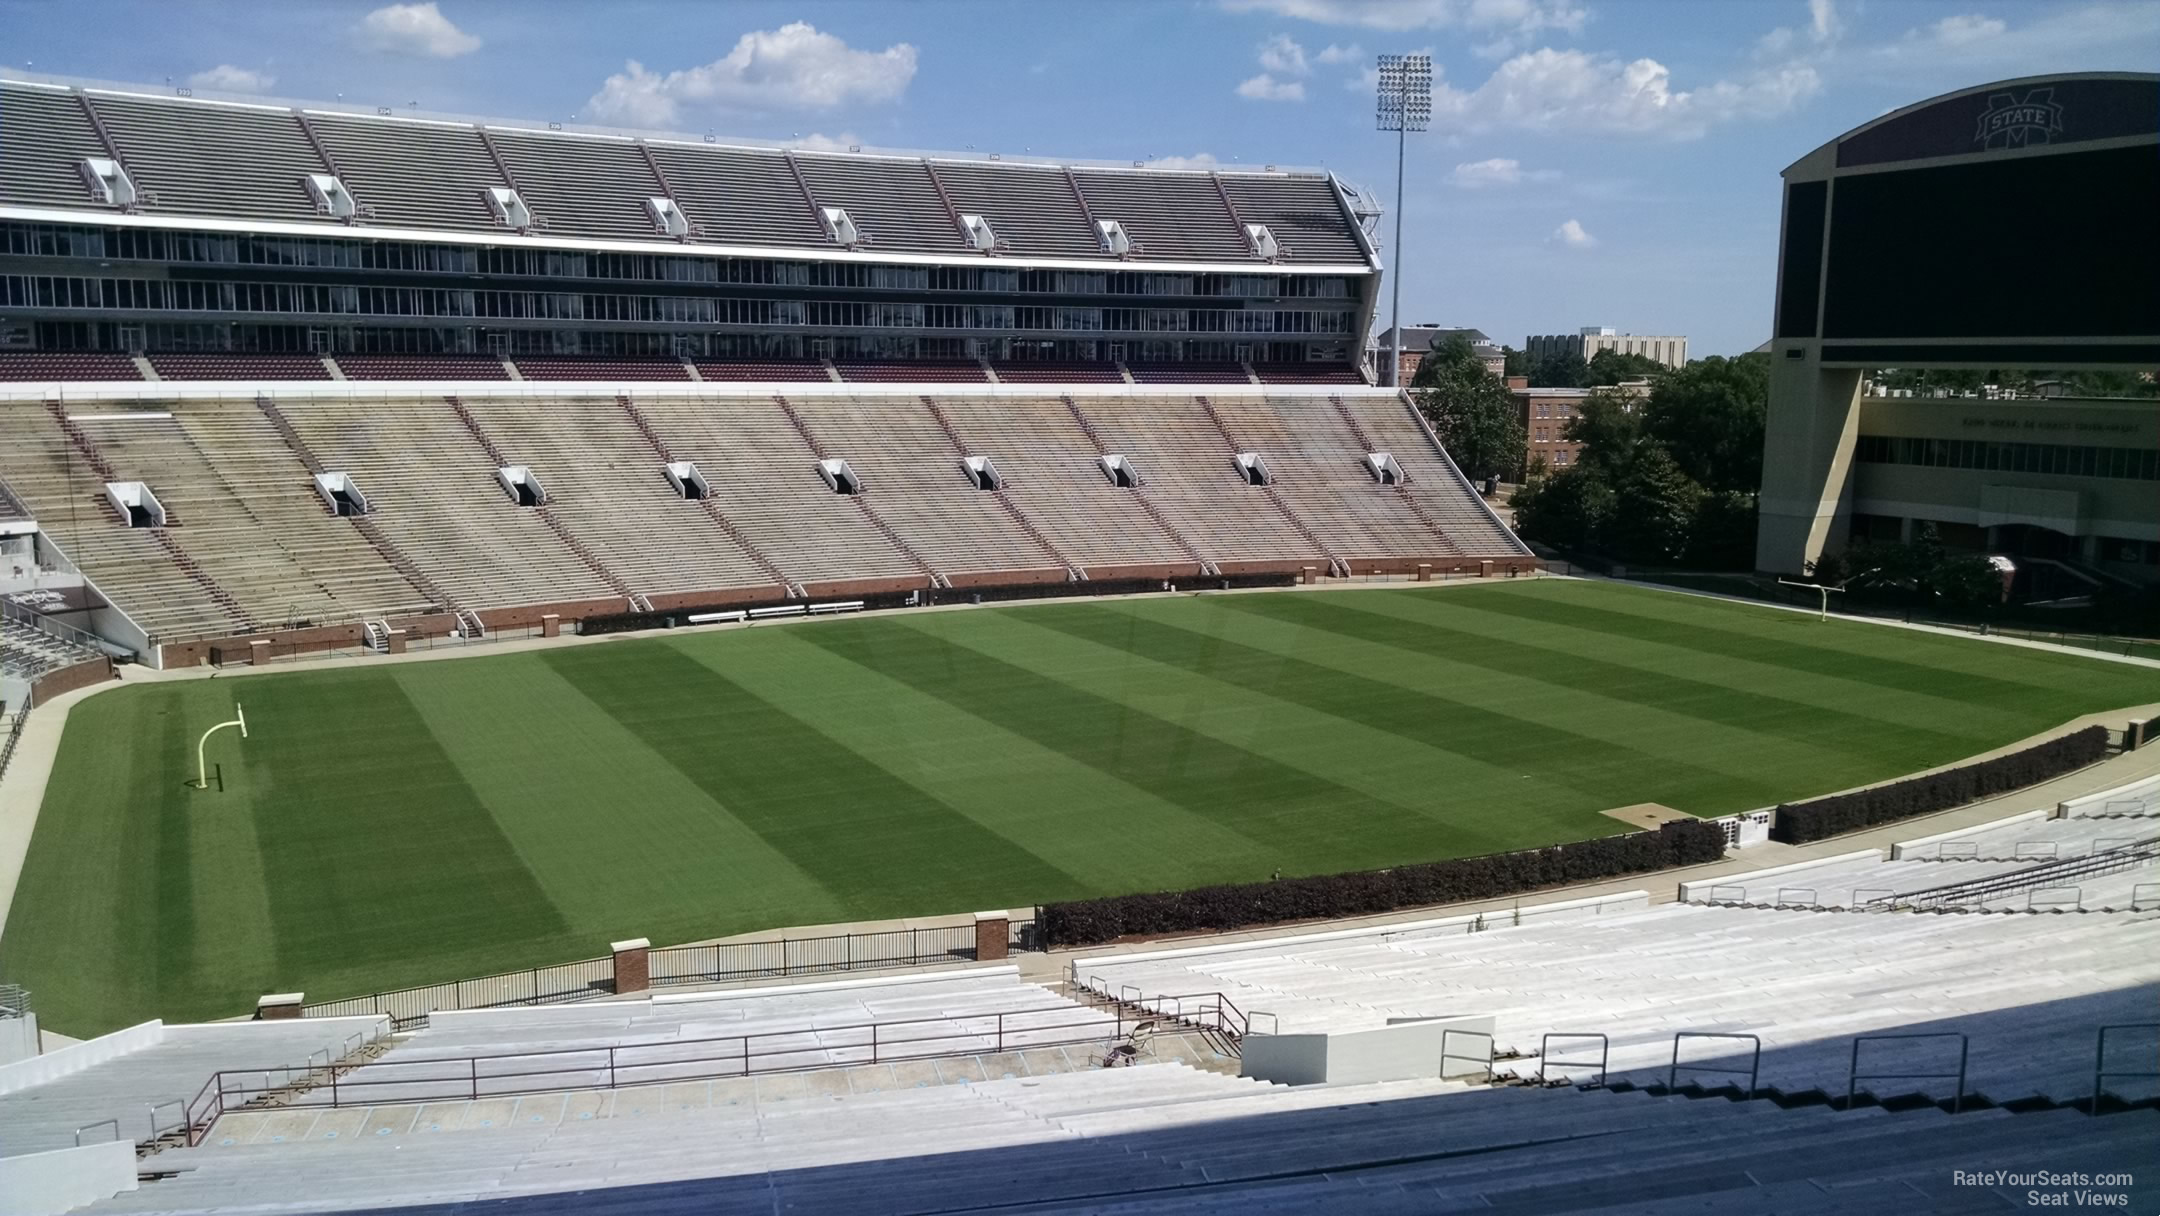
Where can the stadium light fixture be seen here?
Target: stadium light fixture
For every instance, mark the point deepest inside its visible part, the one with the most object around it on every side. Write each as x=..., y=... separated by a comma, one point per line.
x=1404, y=105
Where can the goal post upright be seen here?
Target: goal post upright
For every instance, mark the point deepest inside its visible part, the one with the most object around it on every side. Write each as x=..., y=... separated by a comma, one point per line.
x=202, y=745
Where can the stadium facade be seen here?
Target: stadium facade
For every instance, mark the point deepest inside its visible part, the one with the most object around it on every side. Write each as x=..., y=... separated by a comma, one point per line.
x=282, y=378
x=132, y=222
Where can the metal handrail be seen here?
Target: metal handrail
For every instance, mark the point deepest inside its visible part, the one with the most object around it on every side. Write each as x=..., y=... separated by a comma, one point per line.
x=1545, y=1058
x=1753, y=1070
x=2101, y=1072
x=114, y=1124
x=230, y=1088
x=1855, y=1076
x=2043, y=874
x=1445, y=1055
x=155, y=1107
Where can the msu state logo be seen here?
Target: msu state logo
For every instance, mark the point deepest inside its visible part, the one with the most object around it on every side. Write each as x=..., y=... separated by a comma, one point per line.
x=2013, y=122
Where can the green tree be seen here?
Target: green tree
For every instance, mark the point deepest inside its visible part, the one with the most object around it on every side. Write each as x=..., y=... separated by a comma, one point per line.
x=1653, y=509
x=1517, y=363
x=1453, y=354
x=1722, y=535
x=1570, y=509
x=1612, y=367
x=1560, y=371
x=1473, y=412
x=1708, y=417
x=1609, y=426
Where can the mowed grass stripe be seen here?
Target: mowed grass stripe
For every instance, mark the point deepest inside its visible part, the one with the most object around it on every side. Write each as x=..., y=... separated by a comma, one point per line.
x=879, y=846
x=357, y=808
x=1588, y=765
x=1679, y=622
x=1628, y=687
x=586, y=803
x=1287, y=809
x=83, y=931
x=1042, y=800
x=1433, y=785
x=1648, y=730
x=1889, y=709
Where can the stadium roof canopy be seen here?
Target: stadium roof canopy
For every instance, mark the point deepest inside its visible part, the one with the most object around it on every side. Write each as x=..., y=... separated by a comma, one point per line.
x=144, y=158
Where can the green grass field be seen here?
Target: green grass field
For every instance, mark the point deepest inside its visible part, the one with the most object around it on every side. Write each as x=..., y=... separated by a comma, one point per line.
x=392, y=824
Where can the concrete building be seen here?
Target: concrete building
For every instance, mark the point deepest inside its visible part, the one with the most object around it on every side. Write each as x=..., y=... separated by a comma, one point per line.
x=1419, y=340
x=1545, y=414
x=1585, y=343
x=2068, y=489
x=1887, y=258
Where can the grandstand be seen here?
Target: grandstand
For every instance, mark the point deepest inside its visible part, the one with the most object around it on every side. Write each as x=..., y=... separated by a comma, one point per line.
x=652, y=502
x=350, y=379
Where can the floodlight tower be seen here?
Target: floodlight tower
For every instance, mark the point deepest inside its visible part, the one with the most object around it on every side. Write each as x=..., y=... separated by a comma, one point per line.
x=1405, y=105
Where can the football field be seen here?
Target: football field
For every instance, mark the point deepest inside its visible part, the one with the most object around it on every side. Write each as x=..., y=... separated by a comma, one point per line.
x=390, y=824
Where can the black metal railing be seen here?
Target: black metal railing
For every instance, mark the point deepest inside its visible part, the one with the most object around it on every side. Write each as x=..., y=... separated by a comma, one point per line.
x=561, y=1070
x=1753, y=1070
x=408, y=1008
x=674, y=966
x=726, y=962
x=1853, y=1075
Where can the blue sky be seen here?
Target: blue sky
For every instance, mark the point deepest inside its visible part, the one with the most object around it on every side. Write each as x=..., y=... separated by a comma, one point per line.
x=1591, y=161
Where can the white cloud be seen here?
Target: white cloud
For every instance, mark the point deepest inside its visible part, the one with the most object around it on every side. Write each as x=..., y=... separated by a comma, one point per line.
x=1266, y=88
x=1548, y=89
x=1572, y=235
x=1499, y=171
x=1280, y=54
x=795, y=67
x=1823, y=22
x=226, y=78
x=1965, y=28
x=1333, y=54
x=819, y=142
x=415, y=29
x=1525, y=16
x=1201, y=160
x=2059, y=39
x=1824, y=28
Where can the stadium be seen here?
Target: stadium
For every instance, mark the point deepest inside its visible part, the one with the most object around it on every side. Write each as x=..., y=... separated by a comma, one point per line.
x=532, y=649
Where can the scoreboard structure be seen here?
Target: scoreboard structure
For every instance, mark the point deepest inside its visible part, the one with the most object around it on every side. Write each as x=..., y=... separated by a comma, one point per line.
x=2014, y=224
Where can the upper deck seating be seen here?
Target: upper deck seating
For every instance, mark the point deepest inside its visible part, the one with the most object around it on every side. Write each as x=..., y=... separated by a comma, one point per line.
x=66, y=365
x=421, y=367
x=945, y=371
x=237, y=365
x=599, y=367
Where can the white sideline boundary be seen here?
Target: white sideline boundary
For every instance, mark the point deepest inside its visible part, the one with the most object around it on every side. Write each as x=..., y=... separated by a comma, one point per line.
x=1940, y=630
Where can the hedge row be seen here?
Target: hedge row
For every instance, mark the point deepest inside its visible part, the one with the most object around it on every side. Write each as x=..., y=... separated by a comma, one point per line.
x=1088, y=922
x=1800, y=822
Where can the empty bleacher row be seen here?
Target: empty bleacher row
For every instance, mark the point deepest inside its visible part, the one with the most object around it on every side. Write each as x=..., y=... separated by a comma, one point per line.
x=27, y=653
x=2029, y=993
x=251, y=542
x=142, y=1078
x=64, y=366
x=1152, y=1139
x=2103, y=862
x=186, y=157
x=961, y=1127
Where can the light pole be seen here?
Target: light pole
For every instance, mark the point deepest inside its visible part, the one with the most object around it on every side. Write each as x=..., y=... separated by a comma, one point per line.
x=1405, y=105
